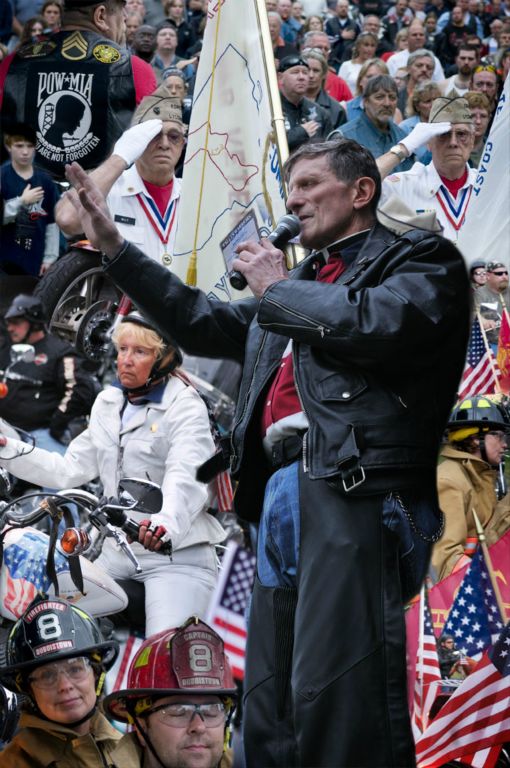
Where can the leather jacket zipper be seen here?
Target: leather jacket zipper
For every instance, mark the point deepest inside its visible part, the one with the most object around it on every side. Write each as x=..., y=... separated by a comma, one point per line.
x=233, y=455
x=322, y=329
x=305, y=440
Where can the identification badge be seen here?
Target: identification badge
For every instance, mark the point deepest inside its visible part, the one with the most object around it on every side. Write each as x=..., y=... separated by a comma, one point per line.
x=124, y=219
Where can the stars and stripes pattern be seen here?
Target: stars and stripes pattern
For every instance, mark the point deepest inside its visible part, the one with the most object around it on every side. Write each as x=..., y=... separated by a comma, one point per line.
x=476, y=717
x=475, y=620
x=480, y=373
x=227, y=610
x=24, y=568
x=428, y=675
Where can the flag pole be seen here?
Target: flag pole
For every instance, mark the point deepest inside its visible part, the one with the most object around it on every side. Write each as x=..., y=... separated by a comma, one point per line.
x=278, y=120
x=272, y=84
x=485, y=550
x=421, y=634
x=488, y=347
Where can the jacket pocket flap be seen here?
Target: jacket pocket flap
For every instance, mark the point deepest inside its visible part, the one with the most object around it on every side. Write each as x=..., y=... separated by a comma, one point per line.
x=343, y=387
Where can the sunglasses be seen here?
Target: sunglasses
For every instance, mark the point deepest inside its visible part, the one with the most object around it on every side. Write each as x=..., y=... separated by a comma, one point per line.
x=500, y=274
x=486, y=68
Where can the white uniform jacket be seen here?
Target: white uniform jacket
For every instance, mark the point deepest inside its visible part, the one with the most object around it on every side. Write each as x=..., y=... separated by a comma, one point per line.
x=164, y=442
x=132, y=220
x=420, y=190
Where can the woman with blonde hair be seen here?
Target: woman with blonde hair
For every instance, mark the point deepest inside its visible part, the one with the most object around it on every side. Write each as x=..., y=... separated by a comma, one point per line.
x=418, y=107
x=149, y=423
x=364, y=48
x=370, y=68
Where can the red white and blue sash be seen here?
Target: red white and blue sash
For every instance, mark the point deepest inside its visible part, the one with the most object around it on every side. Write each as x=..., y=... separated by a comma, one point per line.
x=453, y=209
x=162, y=225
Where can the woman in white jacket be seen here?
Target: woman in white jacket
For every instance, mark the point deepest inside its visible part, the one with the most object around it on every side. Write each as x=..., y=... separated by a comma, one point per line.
x=148, y=424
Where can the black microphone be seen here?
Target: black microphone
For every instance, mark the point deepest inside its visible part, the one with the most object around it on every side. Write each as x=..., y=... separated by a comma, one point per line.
x=288, y=227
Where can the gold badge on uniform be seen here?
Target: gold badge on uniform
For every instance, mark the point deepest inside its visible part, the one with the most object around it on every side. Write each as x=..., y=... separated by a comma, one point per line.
x=74, y=47
x=106, y=54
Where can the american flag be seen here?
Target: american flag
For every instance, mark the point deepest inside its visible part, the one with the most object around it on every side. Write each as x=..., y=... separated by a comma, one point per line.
x=475, y=620
x=481, y=371
x=428, y=675
x=476, y=717
x=227, y=609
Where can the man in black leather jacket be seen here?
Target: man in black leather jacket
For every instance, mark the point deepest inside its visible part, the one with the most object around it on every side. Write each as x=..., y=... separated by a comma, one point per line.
x=350, y=368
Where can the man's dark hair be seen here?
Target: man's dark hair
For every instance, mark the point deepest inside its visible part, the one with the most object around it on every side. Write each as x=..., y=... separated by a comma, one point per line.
x=347, y=159
x=380, y=83
x=467, y=47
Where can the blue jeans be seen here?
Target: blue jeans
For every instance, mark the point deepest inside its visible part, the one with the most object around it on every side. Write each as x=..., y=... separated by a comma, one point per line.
x=278, y=540
x=279, y=532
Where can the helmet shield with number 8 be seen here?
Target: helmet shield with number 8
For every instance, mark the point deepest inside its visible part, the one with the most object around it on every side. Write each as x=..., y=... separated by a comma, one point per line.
x=190, y=659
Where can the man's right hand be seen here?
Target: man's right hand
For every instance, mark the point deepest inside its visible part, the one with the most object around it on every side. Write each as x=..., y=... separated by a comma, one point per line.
x=422, y=133
x=93, y=212
x=31, y=195
x=311, y=127
x=135, y=140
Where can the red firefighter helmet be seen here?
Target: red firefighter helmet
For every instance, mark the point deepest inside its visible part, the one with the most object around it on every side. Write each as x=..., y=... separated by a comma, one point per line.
x=190, y=659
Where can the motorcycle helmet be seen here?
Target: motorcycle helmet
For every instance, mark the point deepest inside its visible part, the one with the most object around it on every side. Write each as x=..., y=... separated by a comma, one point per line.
x=52, y=629
x=29, y=308
x=190, y=659
x=160, y=368
x=477, y=415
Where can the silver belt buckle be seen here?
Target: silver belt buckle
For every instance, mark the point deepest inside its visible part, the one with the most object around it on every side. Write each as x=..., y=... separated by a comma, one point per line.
x=353, y=481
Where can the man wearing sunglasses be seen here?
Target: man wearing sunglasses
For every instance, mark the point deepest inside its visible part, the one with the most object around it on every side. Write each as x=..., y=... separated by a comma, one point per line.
x=138, y=179
x=180, y=699
x=493, y=298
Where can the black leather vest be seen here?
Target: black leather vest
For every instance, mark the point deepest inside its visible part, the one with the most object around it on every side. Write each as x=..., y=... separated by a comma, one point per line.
x=76, y=90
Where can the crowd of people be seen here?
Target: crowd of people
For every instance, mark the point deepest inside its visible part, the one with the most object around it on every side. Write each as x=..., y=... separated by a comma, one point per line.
x=341, y=412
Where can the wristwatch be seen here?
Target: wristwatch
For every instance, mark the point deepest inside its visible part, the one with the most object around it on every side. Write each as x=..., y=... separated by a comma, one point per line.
x=399, y=151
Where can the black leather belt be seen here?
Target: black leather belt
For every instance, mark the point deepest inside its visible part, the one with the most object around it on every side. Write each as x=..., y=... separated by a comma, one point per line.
x=286, y=451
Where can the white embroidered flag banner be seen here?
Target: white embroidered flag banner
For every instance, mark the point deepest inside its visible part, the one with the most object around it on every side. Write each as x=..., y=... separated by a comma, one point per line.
x=486, y=230
x=231, y=178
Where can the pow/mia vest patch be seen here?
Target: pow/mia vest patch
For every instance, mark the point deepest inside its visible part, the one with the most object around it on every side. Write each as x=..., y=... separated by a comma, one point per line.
x=106, y=54
x=74, y=48
x=60, y=105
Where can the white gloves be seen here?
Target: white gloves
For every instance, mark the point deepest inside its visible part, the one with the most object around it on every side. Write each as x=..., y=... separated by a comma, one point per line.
x=422, y=133
x=135, y=140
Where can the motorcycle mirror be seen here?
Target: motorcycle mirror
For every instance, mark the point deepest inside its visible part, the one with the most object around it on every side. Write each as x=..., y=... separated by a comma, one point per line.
x=146, y=494
x=22, y=353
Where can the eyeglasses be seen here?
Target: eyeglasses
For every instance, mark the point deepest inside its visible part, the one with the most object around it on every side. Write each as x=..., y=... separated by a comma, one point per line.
x=479, y=272
x=174, y=137
x=501, y=436
x=461, y=136
x=76, y=670
x=181, y=715
x=500, y=274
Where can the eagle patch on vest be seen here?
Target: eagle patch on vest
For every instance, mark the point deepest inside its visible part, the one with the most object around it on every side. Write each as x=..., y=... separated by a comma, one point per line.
x=59, y=103
x=106, y=54
x=33, y=50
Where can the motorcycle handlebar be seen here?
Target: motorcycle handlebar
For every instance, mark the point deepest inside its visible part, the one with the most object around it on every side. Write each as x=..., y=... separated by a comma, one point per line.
x=119, y=518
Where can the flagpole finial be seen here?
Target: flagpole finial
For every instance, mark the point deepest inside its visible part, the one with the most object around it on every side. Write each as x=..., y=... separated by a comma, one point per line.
x=479, y=528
